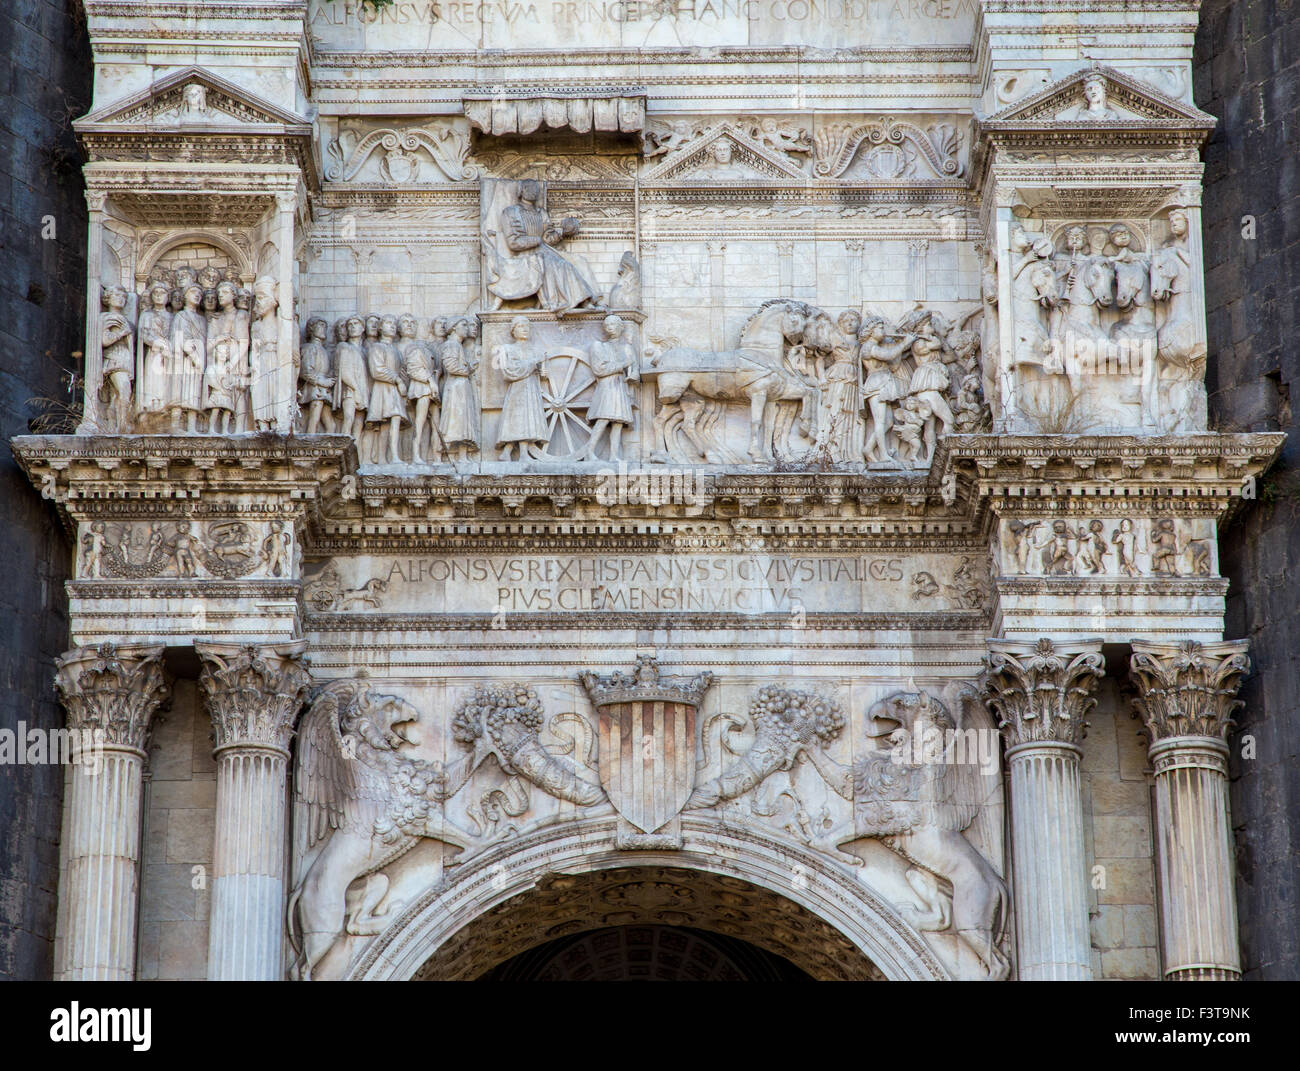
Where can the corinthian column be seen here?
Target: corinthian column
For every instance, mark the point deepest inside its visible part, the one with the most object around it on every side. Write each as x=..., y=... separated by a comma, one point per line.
x=110, y=693
x=1040, y=693
x=1186, y=694
x=253, y=695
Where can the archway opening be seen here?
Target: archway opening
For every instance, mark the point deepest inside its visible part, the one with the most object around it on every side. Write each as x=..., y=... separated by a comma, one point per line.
x=674, y=919
x=646, y=954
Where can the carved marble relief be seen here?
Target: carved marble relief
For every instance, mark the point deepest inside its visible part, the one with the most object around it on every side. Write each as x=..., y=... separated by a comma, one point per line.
x=1107, y=335
x=186, y=549
x=1109, y=547
x=368, y=795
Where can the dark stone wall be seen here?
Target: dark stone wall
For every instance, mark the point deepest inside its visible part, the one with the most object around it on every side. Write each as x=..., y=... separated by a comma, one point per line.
x=44, y=84
x=1247, y=74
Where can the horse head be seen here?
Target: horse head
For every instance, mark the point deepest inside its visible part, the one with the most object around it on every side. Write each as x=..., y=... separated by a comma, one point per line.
x=1043, y=285
x=1166, y=271
x=1131, y=280
x=1099, y=281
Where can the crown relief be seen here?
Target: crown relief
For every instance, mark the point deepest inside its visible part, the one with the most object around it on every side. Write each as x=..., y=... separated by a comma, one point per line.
x=645, y=684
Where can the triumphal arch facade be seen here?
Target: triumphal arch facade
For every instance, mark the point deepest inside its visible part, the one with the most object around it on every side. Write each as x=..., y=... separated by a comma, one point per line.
x=617, y=472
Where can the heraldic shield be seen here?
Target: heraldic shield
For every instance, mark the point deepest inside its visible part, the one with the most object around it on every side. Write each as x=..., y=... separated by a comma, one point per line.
x=647, y=740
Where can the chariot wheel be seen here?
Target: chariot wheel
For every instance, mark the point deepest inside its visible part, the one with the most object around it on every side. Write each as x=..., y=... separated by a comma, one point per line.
x=567, y=388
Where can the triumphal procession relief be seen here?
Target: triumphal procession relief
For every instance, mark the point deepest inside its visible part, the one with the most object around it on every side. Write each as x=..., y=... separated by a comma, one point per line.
x=741, y=467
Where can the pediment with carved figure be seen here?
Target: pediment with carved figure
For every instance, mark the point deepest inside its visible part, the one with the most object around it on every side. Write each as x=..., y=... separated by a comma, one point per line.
x=191, y=98
x=1100, y=96
x=724, y=153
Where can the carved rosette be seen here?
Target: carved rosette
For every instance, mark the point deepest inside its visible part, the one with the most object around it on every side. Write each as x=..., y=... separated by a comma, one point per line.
x=253, y=693
x=1188, y=688
x=116, y=689
x=1040, y=692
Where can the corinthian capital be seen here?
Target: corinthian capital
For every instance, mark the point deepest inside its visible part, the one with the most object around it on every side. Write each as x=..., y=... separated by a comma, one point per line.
x=113, y=689
x=1188, y=688
x=254, y=693
x=1041, y=691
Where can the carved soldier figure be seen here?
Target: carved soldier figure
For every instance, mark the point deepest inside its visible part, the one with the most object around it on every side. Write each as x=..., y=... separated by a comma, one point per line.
x=883, y=385
x=614, y=364
x=536, y=267
x=317, y=390
x=243, y=347
x=153, y=351
x=523, y=419
x=418, y=363
x=188, y=360
x=352, y=388
x=388, y=392
x=460, y=406
x=118, y=355
x=929, y=383
x=264, y=352
x=1137, y=330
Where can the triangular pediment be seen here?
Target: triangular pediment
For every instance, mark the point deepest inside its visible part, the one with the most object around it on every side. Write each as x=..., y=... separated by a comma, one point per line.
x=1128, y=101
x=191, y=99
x=724, y=154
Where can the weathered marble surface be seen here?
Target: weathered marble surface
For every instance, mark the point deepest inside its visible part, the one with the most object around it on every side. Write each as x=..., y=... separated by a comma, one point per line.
x=633, y=473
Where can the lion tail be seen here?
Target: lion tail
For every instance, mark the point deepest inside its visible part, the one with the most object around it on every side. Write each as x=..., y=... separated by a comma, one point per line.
x=300, y=964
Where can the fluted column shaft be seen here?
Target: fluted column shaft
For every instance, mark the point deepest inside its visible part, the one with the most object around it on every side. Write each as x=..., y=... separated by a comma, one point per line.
x=111, y=694
x=1186, y=694
x=1040, y=693
x=254, y=695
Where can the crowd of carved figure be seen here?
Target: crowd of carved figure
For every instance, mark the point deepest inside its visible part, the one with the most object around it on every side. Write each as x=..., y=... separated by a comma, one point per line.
x=1132, y=547
x=383, y=375
x=1101, y=304
x=201, y=356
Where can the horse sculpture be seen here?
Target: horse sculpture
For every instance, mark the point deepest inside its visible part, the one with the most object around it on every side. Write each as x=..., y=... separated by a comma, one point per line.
x=756, y=371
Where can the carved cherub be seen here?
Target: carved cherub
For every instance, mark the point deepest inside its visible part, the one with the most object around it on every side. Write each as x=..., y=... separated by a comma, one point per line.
x=659, y=142
x=94, y=542
x=275, y=550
